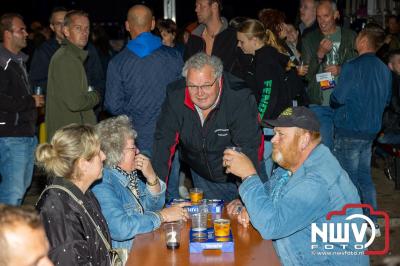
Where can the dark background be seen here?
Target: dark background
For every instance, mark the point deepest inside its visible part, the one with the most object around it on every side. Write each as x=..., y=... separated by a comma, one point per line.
x=115, y=10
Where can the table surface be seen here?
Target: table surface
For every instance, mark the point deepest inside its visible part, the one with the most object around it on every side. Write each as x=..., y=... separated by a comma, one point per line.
x=250, y=249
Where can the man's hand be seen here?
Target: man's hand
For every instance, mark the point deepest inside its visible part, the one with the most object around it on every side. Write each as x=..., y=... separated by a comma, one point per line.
x=243, y=218
x=234, y=207
x=237, y=163
x=325, y=46
x=39, y=100
x=302, y=70
x=334, y=69
x=388, y=38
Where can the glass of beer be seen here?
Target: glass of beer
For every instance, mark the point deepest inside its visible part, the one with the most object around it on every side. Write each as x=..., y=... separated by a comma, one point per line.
x=196, y=195
x=222, y=227
x=172, y=231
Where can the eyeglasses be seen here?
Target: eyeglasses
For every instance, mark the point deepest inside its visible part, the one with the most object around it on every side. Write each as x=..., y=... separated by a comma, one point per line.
x=205, y=87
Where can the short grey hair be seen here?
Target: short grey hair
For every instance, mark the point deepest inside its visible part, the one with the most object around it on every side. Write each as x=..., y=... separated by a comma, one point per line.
x=70, y=14
x=200, y=60
x=331, y=2
x=113, y=133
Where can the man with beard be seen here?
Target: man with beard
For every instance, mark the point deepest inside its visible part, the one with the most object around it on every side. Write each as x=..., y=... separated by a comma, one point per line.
x=301, y=192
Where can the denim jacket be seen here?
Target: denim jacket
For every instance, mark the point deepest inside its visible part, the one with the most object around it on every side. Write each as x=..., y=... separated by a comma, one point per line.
x=284, y=208
x=122, y=209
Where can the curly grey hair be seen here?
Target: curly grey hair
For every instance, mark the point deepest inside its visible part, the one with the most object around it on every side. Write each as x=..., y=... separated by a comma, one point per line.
x=200, y=60
x=113, y=133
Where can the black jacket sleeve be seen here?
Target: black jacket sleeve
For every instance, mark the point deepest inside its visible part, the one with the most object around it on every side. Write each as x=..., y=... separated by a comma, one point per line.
x=166, y=138
x=245, y=128
x=269, y=83
x=65, y=234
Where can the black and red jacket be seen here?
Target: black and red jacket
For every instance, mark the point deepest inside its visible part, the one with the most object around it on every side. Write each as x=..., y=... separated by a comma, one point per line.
x=233, y=122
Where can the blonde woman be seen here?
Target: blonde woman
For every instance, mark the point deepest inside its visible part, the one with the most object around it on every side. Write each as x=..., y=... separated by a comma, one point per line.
x=73, y=160
x=265, y=77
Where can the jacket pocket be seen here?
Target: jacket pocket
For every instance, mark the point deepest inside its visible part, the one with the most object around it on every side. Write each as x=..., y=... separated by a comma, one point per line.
x=130, y=208
x=7, y=118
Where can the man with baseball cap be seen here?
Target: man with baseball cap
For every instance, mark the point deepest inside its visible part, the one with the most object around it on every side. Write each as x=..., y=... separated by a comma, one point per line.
x=308, y=184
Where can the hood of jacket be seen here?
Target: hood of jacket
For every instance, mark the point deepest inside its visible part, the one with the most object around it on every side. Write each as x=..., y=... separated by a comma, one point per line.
x=144, y=44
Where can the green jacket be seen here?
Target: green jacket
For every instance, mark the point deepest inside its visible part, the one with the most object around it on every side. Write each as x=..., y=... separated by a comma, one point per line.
x=68, y=99
x=310, y=45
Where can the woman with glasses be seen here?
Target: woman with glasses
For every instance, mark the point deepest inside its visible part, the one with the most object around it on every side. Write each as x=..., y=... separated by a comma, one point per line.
x=130, y=205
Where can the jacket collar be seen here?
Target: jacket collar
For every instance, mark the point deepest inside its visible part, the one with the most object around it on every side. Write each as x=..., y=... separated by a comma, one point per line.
x=75, y=50
x=123, y=179
x=198, y=31
x=70, y=186
x=54, y=43
x=6, y=56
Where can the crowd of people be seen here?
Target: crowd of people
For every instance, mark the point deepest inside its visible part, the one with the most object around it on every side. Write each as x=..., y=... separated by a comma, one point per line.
x=303, y=102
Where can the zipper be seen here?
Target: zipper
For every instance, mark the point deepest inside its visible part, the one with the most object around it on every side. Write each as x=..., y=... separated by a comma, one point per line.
x=204, y=134
x=16, y=119
x=205, y=157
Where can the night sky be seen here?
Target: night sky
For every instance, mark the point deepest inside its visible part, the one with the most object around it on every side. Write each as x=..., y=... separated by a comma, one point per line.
x=115, y=10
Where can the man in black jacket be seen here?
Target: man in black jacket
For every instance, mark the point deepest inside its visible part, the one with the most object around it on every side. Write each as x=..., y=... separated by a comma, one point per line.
x=17, y=112
x=206, y=113
x=213, y=36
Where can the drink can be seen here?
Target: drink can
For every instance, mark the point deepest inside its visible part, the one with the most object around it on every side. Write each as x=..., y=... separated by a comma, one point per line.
x=38, y=90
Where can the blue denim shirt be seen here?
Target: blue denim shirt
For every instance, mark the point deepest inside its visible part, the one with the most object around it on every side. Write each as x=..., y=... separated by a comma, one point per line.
x=286, y=206
x=122, y=210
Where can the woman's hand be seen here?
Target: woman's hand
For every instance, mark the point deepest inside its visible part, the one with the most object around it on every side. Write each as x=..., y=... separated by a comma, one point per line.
x=175, y=213
x=143, y=164
x=238, y=164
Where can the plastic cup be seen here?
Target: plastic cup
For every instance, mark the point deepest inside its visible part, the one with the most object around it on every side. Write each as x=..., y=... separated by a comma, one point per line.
x=302, y=66
x=172, y=233
x=196, y=195
x=199, y=219
x=222, y=227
